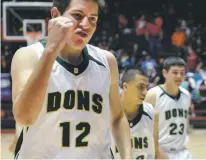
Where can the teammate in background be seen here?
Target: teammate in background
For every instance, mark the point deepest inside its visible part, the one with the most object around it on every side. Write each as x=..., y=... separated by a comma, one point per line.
x=172, y=102
x=67, y=91
x=141, y=116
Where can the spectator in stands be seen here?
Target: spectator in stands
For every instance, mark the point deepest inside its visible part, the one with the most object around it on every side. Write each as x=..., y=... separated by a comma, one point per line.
x=141, y=32
x=149, y=65
x=125, y=59
x=192, y=59
x=135, y=56
x=122, y=23
x=201, y=69
x=154, y=36
x=158, y=19
x=178, y=41
x=178, y=38
x=186, y=29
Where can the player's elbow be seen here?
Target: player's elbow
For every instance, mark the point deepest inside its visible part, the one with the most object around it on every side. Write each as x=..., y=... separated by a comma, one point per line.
x=23, y=120
x=21, y=117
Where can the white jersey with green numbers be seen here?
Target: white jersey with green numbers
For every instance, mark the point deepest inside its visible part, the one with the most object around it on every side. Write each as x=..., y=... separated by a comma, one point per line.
x=74, y=121
x=173, y=118
x=141, y=129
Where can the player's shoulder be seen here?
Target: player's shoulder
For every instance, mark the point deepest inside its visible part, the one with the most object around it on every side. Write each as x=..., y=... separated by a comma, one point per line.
x=102, y=55
x=26, y=53
x=185, y=92
x=148, y=108
x=98, y=52
x=155, y=90
x=95, y=51
x=24, y=58
x=148, y=105
x=152, y=95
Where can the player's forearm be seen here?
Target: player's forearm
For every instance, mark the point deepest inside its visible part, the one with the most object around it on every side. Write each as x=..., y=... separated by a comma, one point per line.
x=121, y=134
x=28, y=103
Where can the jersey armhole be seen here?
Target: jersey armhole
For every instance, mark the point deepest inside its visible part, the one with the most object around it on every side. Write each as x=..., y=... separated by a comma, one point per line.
x=39, y=48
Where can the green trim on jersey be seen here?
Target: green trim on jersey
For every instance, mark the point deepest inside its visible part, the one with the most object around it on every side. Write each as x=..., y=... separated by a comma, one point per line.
x=171, y=96
x=137, y=117
x=76, y=70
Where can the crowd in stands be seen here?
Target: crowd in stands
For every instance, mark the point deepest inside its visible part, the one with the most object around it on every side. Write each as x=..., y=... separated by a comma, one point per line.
x=143, y=36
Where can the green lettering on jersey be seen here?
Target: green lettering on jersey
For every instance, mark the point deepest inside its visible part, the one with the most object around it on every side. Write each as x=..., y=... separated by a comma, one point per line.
x=79, y=99
x=140, y=142
x=176, y=113
x=54, y=101
x=97, y=103
x=83, y=100
x=69, y=99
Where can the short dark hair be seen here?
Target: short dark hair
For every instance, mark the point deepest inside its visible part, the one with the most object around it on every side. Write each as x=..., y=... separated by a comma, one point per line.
x=173, y=61
x=130, y=73
x=62, y=5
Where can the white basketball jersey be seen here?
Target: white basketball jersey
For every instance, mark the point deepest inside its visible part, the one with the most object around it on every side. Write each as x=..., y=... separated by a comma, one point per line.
x=173, y=118
x=141, y=128
x=74, y=121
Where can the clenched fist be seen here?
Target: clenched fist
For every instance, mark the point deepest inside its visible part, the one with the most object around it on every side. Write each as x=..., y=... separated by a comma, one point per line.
x=57, y=31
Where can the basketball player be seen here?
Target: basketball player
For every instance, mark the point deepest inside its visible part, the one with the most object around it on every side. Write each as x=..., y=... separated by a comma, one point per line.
x=66, y=90
x=172, y=102
x=141, y=116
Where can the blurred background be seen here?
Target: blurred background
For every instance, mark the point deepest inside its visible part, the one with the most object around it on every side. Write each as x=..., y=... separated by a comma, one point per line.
x=138, y=32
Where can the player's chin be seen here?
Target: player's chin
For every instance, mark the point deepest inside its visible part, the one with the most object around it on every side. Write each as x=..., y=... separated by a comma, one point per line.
x=78, y=45
x=178, y=83
x=140, y=100
x=80, y=42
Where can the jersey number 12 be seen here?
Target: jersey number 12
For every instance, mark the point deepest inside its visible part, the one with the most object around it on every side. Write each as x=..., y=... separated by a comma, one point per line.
x=84, y=127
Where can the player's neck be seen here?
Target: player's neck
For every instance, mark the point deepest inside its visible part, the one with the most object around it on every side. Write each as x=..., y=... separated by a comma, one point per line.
x=130, y=109
x=170, y=89
x=72, y=56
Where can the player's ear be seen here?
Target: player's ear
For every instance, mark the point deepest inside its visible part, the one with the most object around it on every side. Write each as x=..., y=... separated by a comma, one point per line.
x=54, y=12
x=124, y=85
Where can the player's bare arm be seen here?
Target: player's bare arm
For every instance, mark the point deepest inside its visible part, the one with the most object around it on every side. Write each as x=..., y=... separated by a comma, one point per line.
x=30, y=76
x=159, y=153
x=151, y=97
x=119, y=123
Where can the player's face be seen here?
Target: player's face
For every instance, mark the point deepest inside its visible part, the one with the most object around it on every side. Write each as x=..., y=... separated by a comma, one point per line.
x=136, y=90
x=175, y=75
x=84, y=14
